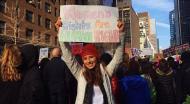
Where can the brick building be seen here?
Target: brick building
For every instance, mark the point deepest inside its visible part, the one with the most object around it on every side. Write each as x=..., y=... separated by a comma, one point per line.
x=128, y=14
x=30, y=21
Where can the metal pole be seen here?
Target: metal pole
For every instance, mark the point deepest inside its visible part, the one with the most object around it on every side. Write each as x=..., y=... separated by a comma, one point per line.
x=16, y=23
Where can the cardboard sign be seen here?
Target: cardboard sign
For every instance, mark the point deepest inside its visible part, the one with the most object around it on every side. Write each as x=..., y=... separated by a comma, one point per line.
x=88, y=24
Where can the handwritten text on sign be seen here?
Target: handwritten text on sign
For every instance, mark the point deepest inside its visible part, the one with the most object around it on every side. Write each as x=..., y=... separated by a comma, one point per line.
x=89, y=24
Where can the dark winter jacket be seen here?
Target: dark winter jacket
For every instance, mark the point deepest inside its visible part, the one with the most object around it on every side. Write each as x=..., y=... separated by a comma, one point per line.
x=9, y=92
x=134, y=90
x=57, y=77
x=185, y=80
x=32, y=89
x=165, y=87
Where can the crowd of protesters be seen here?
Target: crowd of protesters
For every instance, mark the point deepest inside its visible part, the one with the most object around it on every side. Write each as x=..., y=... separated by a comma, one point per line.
x=90, y=78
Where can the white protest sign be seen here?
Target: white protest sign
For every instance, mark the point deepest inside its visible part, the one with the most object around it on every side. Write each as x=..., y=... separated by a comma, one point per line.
x=43, y=53
x=88, y=24
x=146, y=51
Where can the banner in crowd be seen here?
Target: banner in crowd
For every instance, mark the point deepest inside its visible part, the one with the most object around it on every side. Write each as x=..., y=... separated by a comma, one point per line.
x=43, y=53
x=88, y=24
x=176, y=50
x=135, y=51
x=146, y=51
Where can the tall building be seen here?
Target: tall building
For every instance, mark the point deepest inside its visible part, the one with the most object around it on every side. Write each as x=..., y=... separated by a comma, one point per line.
x=29, y=21
x=152, y=36
x=147, y=32
x=172, y=28
x=144, y=25
x=182, y=17
x=144, y=16
x=158, y=46
x=127, y=13
x=143, y=34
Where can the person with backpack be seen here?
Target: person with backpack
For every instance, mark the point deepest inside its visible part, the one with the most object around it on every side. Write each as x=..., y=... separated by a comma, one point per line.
x=164, y=83
x=134, y=88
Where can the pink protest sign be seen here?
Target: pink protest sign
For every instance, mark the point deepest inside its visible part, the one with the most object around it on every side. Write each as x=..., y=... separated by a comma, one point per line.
x=89, y=24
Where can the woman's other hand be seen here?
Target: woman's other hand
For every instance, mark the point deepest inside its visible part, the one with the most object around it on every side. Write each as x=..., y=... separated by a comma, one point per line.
x=58, y=23
x=120, y=25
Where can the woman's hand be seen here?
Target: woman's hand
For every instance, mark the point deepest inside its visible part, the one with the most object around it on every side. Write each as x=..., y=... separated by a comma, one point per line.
x=120, y=25
x=58, y=23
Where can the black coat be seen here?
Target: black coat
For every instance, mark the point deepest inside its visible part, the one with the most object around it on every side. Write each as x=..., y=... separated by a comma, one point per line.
x=57, y=77
x=32, y=89
x=185, y=80
x=165, y=88
x=9, y=92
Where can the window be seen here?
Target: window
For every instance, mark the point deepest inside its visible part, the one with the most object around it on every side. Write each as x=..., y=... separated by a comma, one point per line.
x=29, y=33
x=53, y=1
x=58, y=12
x=39, y=4
x=2, y=27
x=47, y=38
x=32, y=2
x=47, y=8
x=39, y=20
x=55, y=13
x=55, y=40
x=29, y=16
x=2, y=6
x=48, y=23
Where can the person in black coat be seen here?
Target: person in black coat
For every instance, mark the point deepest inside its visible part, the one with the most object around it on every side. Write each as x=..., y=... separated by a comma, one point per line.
x=164, y=84
x=185, y=74
x=32, y=89
x=56, y=77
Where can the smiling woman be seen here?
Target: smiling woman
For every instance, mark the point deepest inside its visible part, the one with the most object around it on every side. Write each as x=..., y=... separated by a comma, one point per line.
x=89, y=56
x=93, y=78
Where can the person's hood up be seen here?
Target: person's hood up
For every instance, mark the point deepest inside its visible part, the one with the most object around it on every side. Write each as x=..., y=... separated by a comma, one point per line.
x=134, y=81
x=30, y=55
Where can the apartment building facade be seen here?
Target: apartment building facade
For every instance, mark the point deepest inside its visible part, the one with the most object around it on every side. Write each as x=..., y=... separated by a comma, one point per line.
x=29, y=21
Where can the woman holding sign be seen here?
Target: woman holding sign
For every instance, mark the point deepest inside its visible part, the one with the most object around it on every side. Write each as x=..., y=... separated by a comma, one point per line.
x=93, y=78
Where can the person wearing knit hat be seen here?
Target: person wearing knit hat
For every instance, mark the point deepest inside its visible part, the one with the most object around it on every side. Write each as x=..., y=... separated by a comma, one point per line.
x=93, y=78
x=89, y=49
x=89, y=56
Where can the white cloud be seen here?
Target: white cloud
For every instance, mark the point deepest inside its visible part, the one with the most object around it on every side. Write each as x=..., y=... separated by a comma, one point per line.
x=164, y=25
x=162, y=5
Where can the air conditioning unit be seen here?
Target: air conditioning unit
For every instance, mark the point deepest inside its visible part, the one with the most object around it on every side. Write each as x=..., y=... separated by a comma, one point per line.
x=31, y=1
x=49, y=11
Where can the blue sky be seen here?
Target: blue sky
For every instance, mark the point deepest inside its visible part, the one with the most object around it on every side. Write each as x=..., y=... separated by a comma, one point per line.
x=158, y=9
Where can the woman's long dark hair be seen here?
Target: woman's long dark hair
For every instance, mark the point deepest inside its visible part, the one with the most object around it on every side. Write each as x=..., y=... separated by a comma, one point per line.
x=93, y=76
